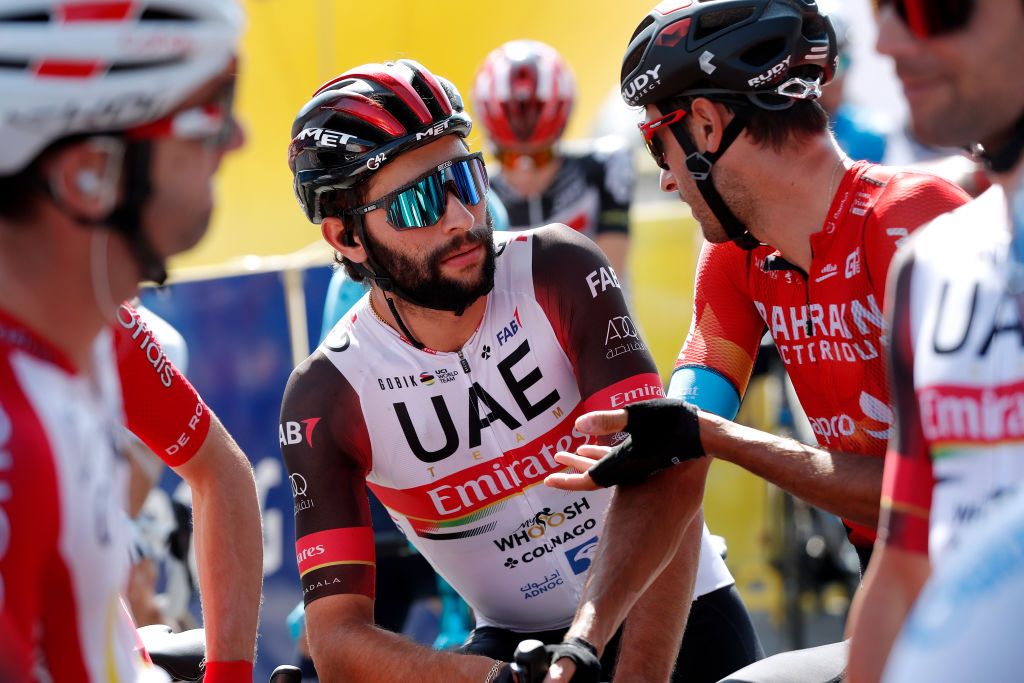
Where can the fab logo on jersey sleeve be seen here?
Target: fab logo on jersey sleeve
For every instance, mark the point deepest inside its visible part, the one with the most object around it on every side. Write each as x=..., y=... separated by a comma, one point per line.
x=581, y=557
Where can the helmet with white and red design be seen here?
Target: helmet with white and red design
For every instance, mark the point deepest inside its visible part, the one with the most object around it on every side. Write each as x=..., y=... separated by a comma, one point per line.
x=73, y=67
x=362, y=120
x=523, y=95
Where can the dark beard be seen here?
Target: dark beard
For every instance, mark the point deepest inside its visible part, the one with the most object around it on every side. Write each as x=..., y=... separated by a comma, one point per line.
x=419, y=280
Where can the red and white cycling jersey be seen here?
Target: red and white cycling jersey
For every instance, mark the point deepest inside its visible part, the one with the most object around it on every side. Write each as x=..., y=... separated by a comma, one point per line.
x=958, y=369
x=64, y=542
x=827, y=323
x=456, y=445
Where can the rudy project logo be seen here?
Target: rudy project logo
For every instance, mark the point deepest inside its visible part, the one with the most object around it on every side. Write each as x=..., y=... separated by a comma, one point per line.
x=581, y=557
x=771, y=74
x=641, y=84
x=291, y=433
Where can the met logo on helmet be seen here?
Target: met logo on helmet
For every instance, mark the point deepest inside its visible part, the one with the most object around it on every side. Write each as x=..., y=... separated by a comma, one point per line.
x=436, y=129
x=641, y=84
x=325, y=137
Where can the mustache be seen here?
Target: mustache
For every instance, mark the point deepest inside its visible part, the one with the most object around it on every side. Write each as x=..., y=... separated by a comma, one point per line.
x=476, y=235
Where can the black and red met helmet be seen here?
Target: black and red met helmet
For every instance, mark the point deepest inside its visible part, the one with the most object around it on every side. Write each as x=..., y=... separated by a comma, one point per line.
x=363, y=119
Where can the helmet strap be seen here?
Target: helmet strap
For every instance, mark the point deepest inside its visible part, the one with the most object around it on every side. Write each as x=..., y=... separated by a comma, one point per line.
x=127, y=218
x=1007, y=155
x=370, y=269
x=700, y=165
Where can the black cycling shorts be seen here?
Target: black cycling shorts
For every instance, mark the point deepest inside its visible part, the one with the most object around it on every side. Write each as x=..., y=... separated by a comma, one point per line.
x=719, y=639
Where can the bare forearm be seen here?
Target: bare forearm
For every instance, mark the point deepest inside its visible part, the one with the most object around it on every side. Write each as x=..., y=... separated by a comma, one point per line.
x=844, y=484
x=654, y=628
x=878, y=612
x=634, y=549
x=357, y=653
x=229, y=548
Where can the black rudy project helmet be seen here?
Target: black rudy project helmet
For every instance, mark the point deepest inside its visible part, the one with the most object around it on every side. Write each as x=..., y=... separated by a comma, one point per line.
x=770, y=52
x=747, y=53
x=358, y=122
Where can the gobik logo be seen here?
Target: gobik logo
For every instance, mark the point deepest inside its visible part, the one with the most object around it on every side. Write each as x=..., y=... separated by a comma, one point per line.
x=582, y=555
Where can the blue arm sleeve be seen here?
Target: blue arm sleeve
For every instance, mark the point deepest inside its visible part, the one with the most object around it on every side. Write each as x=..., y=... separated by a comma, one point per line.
x=706, y=389
x=342, y=294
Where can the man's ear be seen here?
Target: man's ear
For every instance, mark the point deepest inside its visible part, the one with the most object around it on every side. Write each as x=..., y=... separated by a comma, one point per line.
x=707, y=124
x=351, y=247
x=85, y=177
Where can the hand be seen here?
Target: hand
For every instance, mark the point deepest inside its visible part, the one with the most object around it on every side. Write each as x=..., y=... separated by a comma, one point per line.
x=662, y=432
x=597, y=423
x=575, y=661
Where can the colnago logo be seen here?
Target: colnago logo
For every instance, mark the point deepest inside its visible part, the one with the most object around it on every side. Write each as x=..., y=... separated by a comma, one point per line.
x=555, y=542
x=325, y=137
x=845, y=332
x=972, y=414
x=771, y=74
x=306, y=553
x=541, y=524
x=642, y=84
x=291, y=433
x=624, y=398
x=131, y=321
x=478, y=487
x=436, y=129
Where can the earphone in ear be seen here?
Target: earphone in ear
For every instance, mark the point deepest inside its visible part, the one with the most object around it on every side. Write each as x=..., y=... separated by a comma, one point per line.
x=87, y=181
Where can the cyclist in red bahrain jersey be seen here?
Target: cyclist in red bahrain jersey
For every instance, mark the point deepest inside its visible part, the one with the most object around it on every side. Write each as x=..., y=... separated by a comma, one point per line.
x=956, y=341
x=447, y=390
x=799, y=242
x=105, y=172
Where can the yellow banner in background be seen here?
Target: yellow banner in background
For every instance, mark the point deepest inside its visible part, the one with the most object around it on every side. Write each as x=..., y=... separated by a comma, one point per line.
x=293, y=46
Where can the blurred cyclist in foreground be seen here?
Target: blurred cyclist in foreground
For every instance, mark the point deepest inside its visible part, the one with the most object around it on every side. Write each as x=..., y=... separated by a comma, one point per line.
x=113, y=120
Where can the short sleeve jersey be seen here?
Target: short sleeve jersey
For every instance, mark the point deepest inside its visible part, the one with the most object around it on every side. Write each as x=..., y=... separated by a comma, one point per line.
x=958, y=372
x=456, y=445
x=827, y=323
x=591, y=192
x=64, y=544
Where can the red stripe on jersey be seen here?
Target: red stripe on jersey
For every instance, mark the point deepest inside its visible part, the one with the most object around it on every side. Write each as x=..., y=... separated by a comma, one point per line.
x=624, y=392
x=161, y=407
x=95, y=11
x=353, y=545
x=479, y=490
x=41, y=610
x=58, y=68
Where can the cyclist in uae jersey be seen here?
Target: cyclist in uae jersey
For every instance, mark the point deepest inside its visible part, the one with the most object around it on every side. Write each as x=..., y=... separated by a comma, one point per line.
x=113, y=121
x=456, y=442
x=956, y=351
x=65, y=550
x=523, y=95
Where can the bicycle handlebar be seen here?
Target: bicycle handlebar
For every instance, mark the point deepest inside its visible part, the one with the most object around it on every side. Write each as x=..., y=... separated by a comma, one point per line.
x=530, y=663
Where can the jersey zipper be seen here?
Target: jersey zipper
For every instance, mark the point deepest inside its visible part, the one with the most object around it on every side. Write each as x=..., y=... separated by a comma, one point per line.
x=778, y=263
x=464, y=362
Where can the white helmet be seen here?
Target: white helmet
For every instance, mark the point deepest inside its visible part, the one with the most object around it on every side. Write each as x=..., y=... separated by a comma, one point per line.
x=69, y=67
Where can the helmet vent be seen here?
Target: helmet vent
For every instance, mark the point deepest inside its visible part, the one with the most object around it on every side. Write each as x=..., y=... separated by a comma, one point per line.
x=648, y=20
x=26, y=18
x=157, y=14
x=710, y=23
x=632, y=61
x=764, y=54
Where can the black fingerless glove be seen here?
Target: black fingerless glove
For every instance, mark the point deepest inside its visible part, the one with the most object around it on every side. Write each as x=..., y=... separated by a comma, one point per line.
x=662, y=432
x=583, y=655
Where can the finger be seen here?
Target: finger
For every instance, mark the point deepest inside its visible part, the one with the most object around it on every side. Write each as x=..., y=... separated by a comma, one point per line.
x=571, y=482
x=602, y=422
x=593, y=452
x=580, y=462
x=561, y=671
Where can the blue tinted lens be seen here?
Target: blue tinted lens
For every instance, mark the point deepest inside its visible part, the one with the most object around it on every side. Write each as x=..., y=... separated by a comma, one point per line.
x=423, y=203
x=419, y=206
